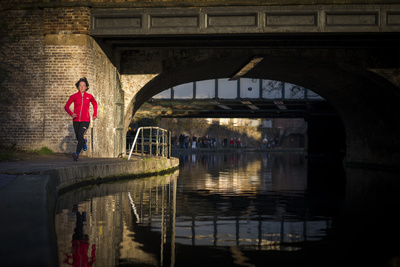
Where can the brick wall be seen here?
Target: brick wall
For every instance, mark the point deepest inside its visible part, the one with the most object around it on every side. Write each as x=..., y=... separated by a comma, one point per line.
x=52, y=52
x=69, y=58
x=22, y=115
x=67, y=20
x=63, y=69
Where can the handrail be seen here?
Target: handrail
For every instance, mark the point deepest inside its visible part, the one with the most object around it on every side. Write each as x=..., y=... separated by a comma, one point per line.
x=165, y=143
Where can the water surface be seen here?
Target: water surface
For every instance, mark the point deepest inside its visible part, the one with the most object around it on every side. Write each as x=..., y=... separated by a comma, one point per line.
x=240, y=209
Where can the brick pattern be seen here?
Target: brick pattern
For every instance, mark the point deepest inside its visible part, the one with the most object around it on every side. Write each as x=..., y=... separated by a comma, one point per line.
x=71, y=62
x=22, y=22
x=66, y=21
x=63, y=69
x=66, y=64
x=42, y=77
x=21, y=120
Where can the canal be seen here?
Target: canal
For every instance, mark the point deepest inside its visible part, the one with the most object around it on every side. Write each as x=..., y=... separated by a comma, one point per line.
x=236, y=209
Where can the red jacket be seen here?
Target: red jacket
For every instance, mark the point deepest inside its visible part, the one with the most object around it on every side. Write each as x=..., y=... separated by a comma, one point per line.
x=81, y=106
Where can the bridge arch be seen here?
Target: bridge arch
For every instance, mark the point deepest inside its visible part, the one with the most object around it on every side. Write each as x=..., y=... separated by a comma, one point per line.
x=365, y=102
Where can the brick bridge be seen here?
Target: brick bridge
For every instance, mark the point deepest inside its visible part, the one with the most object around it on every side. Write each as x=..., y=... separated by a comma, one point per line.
x=131, y=50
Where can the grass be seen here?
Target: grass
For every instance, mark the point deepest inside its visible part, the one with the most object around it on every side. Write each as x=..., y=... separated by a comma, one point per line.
x=43, y=151
x=13, y=154
x=8, y=156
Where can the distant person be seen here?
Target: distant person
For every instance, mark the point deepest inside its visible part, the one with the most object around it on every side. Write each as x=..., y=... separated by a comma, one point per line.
x=80, y=115
x=265, y=142
x=129, y=137
x=238, y=143
x=129, y=132
x=206, y=141
x=181, y=140
x=134, y=131
x=225, y=142
x=194, y=140
x=232, y=143
x=187, y=140
x=200, y=142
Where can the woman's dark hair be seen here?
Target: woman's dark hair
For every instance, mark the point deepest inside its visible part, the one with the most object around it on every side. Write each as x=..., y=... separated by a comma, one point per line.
x=82, y=80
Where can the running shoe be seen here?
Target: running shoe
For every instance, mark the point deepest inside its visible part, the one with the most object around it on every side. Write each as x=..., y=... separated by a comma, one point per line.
x=75, y=156
x=84, y=145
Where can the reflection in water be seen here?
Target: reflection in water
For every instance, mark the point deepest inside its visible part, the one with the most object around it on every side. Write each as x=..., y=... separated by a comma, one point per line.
x=80, y=244
x=244, y=200
x=244, y=209
x=120, y=219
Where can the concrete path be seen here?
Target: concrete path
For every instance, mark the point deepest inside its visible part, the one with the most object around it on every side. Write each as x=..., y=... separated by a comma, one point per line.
x=28, y=192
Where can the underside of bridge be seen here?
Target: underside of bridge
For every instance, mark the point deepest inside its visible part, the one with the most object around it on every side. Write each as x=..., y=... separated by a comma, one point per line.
x=239, y=98
x=159, y=108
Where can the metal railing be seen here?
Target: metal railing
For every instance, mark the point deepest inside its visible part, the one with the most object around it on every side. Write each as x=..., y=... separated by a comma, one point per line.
x=152, y=141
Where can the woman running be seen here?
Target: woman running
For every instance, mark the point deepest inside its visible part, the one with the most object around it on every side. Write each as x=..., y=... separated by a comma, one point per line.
x=80, y=115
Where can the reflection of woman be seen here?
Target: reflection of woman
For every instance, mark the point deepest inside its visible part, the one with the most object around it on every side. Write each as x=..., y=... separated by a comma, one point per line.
x=80, y=245
x=81, y=116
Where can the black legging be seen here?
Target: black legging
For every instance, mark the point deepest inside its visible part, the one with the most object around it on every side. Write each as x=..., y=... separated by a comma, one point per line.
x=80, y=130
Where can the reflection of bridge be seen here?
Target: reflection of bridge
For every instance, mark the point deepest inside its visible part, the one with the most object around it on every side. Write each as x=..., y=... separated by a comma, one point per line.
x=222, y=208
x=242, y=98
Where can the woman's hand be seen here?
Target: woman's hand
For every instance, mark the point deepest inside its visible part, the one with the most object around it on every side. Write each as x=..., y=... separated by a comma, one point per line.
x=74, y=115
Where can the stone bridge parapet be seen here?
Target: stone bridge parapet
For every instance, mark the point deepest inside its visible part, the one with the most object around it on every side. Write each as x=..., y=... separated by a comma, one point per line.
x=246, y=19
